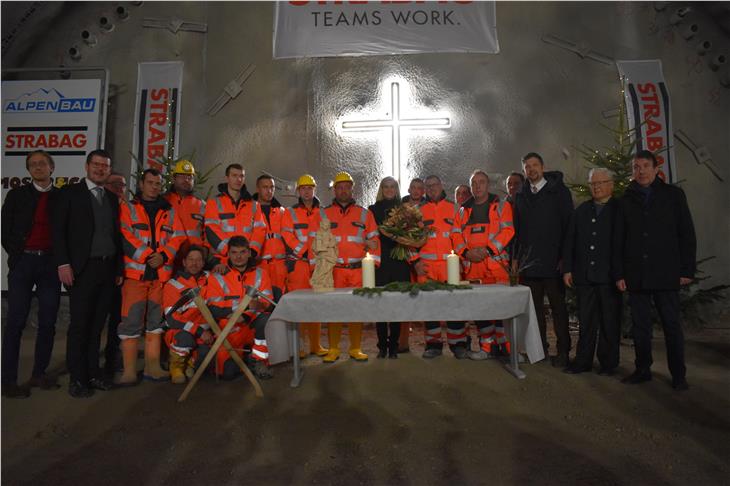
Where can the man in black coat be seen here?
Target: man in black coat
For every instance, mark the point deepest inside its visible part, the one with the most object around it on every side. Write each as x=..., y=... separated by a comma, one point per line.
x=654, y=254
x=587, y=265
x=87, y=244
x=26, y=237
x=542, y=212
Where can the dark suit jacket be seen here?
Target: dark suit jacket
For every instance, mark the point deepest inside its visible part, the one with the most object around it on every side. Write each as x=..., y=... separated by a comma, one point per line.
x=654, y=240
x=587, y=248
x=541, y=221
x=17, y=218
x=73, y=225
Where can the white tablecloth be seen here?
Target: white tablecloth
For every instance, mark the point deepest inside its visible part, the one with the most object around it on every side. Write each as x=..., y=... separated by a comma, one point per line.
x=481, y=302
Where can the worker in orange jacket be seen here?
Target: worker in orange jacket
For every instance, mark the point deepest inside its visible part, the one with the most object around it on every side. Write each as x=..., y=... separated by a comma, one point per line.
x=429, y=263
x=187, y=328
x=356, y=233
x=189, y=209
x=149, y=245
x=273, y=254
x=225, y=291
x=299, y=225
x=482, y=232
x=232, y=212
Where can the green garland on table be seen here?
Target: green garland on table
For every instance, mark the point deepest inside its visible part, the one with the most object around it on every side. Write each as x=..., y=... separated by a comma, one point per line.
x=412, y=288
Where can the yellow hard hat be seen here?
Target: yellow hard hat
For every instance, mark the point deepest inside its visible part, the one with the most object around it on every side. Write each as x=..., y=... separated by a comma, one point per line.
x=306, y=180
x=343, y=177
x=184, y=167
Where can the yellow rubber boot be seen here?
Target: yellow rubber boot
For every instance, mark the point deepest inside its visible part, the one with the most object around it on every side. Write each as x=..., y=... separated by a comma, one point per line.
x=129, y=358
x=334, y=331
x=152, y=369
x=177, y=368
x=355, y=340
x=314, y=330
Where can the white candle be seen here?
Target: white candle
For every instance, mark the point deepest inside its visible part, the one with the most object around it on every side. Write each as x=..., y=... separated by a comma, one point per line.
x=368, y=272
x=453, y=268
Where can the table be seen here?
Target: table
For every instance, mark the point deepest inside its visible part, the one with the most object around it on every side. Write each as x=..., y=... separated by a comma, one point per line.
x=481, y=302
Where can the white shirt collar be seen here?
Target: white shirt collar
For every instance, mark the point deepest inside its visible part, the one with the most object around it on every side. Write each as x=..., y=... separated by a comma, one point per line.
x=91, y=185
x=539, y=185
x=40, y=189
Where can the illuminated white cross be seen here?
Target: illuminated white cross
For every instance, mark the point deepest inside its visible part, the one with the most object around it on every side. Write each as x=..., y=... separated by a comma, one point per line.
x=395, y=123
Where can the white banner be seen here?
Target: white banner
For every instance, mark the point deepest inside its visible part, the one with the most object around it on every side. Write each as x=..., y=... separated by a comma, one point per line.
x=58, y=116
x=157, y=113
x=321, y=29
x=647, y=104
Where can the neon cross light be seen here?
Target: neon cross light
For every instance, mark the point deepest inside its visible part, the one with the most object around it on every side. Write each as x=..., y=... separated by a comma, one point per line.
x=396, y=126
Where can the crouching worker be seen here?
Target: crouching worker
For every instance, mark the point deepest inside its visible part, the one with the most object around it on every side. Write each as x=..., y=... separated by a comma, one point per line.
x=225, y=292
x=188, y=332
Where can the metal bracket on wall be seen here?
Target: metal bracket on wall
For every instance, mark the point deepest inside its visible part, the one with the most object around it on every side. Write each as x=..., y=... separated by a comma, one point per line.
x=232, y=90
x=175, y=25
x=701, y=154
x=581, y=48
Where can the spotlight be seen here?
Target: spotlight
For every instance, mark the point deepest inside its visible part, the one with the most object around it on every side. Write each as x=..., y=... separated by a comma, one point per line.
x=679, y=15
x=106, y=24
x=703, y=47
x=88, y=38
x=74, y=53
x=718, y=61
x=122, y=13
x=689, y=31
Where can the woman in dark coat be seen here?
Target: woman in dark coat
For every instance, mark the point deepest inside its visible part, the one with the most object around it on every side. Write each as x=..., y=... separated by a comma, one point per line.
x=390, y=270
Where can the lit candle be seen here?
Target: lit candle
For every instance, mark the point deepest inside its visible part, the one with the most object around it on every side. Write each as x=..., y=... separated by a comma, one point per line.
x=453, y=268
x=368, y=271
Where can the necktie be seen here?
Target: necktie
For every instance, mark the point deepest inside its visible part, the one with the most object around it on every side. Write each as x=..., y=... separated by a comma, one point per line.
x=98, y=194
x=534, y=189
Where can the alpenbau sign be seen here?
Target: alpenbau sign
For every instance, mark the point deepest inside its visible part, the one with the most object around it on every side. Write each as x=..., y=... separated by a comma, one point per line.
x=58, y=116
x=341, y=28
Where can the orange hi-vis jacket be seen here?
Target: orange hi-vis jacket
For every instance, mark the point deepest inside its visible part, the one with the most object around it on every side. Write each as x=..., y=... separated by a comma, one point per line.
x=190, y=212
x=274, y=248
x=351, y=226
x=225, y=292
x=299, y=226
x=187, y=317
x=225, y=218
x=440, y=216
x=495, y=235
x=136, y=239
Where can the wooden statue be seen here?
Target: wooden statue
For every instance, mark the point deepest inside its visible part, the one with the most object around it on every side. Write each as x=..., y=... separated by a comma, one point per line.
x=324, y=247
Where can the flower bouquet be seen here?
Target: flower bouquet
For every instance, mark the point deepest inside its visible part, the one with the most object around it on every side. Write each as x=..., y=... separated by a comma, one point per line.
x=404, y=225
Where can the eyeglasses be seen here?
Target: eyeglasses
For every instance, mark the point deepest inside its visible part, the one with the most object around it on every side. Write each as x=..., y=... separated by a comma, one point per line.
x=598, y=183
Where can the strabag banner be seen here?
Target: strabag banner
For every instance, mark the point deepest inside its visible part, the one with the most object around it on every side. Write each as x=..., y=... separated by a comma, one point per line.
x=648, y=106
x=366, y=28
x=61, y=117
x=157, y=113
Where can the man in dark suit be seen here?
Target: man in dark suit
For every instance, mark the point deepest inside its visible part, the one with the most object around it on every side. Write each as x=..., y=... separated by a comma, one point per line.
x=87, y=244
x=587, y=265
x=654, y=254
x=26, y=237
x=542, y=212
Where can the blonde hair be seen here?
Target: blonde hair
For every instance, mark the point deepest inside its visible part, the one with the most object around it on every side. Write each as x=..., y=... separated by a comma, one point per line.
x=385, y=180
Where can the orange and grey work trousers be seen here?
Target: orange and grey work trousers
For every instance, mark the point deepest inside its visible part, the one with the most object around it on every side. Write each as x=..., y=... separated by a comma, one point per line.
x=141, y=308
x=455, y=330
x=277, y=273
x=298, y=279
x=346, y=277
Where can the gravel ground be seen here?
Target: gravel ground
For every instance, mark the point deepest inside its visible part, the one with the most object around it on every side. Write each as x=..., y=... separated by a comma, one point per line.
x=405, y=421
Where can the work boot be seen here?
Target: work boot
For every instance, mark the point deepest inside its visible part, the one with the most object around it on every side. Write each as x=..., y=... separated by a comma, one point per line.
x=177, y=368
x=560, y=361
x=331, y=355
x=12, y=390
x=480, y=355
x=459, y=352
x=355, y=340
x=314, y=331
x=190, y=366
x=638, y=376
x=152, y=369
x=431, y=353
x=129, y=358
x=262, y=371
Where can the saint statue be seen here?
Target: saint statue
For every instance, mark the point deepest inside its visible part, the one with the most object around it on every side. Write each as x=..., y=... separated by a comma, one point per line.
x=324, y=247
